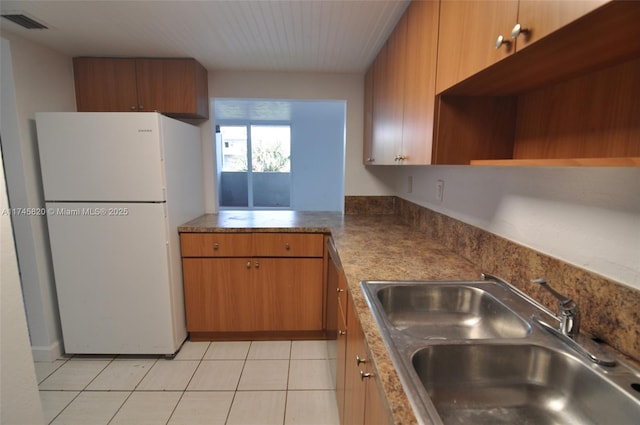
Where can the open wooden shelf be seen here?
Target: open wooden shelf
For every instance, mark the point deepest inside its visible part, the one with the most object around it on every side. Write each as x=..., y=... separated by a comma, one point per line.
x=562, y=162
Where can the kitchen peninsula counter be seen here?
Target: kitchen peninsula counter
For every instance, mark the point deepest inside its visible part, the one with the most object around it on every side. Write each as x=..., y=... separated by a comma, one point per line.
x=378, y=247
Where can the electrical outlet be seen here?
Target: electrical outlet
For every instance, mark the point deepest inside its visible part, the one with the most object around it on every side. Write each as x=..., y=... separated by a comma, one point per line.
x=440, y=190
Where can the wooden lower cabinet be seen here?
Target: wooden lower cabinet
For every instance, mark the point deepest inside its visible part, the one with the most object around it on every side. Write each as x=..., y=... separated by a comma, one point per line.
x=359, y=400
x=375, y=411
x=341, y=357
x=219, y=294
x=253, y=294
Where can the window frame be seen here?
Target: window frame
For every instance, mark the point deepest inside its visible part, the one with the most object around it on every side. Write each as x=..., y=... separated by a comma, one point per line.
x=248, y=124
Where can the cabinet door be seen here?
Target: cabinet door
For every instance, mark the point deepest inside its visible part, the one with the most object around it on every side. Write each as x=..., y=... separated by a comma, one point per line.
x=341, y=358
x=289, y=294
x=105, y=85
x=542, y=17
x=367, y=147
x=172, y=86
x=468, y=32
x=375, y=412
x=381, y=142
x=420, y=81
x=220, y=294
x=396, y=72
x=388, y=96
x=354, y=387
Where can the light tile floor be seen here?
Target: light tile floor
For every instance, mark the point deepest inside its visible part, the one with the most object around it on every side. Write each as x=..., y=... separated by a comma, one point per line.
x=233, y=383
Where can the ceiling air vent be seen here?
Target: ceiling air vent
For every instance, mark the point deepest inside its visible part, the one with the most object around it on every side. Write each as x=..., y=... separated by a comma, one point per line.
x=24, y=21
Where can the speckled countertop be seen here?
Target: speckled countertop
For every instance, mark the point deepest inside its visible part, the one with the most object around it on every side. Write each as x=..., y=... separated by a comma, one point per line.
x=370, y=248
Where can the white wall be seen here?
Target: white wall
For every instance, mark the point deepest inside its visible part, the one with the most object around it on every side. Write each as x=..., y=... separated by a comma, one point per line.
x=317, y=132
x=589, y=217
x=43, y=82
x=252, y=85
x=19, y=398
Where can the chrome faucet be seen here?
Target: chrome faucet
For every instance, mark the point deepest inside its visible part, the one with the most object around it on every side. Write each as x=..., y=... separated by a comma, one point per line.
x=569, y=330
x=569, y=315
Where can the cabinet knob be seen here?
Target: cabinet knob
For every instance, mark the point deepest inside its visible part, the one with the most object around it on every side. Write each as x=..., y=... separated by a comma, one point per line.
x=364, y=375
x=359, y=360
x=400, y=157
x=338, y=290
x=370, y=160
x=501, y=40
x=216, y=246
x=257, y=264
x=287, y=246
x=342, y=333
x=132, y=107
x=517, y=30
x=248, y=264
x=141, y=107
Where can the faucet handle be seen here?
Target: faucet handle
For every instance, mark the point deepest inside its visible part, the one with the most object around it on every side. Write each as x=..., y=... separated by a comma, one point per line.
x=569, y=316
x=562, y=300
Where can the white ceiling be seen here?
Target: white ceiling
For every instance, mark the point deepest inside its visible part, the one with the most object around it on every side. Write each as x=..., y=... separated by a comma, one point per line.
x=274, y=35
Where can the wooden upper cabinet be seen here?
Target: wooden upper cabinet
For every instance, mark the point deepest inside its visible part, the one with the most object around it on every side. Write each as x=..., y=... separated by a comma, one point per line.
x=403, y=90
x=367, y=150
x=468, y=33
x=420, y=82
x=395, y=86
x=381, y=140
x=174, y=87
x=105, y=84
x=542, y=17
x=388, y=97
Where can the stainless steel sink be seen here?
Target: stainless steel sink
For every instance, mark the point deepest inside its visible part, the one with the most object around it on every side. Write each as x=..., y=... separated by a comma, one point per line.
x=518, y=384
x=470, y=352
x=449, y=311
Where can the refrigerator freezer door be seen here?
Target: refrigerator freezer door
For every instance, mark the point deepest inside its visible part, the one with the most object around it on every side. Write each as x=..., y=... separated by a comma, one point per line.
x=86, y=156
x=112, y=278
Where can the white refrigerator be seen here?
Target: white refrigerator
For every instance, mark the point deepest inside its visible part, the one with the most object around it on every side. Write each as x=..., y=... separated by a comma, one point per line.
x=116, y=187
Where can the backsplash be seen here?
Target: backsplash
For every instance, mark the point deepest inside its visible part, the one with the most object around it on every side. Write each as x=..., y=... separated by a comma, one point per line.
x=610, y=310
x=370, y=205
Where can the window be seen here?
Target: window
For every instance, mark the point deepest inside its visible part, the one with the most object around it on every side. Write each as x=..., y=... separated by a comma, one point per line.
x=305, y=140
x=256, y=166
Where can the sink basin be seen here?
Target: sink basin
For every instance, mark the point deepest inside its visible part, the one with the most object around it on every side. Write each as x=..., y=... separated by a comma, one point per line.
x=476, y=352
x=518, y=384
x=449, y=312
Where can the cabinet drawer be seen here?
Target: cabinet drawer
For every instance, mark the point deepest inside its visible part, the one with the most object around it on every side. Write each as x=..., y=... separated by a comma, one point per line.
x=216, y=244
x=288, y=244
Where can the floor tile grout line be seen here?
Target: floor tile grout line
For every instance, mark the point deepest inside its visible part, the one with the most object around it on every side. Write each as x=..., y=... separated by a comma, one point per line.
x=66, y=405
x=119, y=408
x=135, y=388
x=182, y=392
x=98, y=374
x=286, y=393
x=192, y=375
x=235, y=392
x=53, y=371
x=173, y=411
